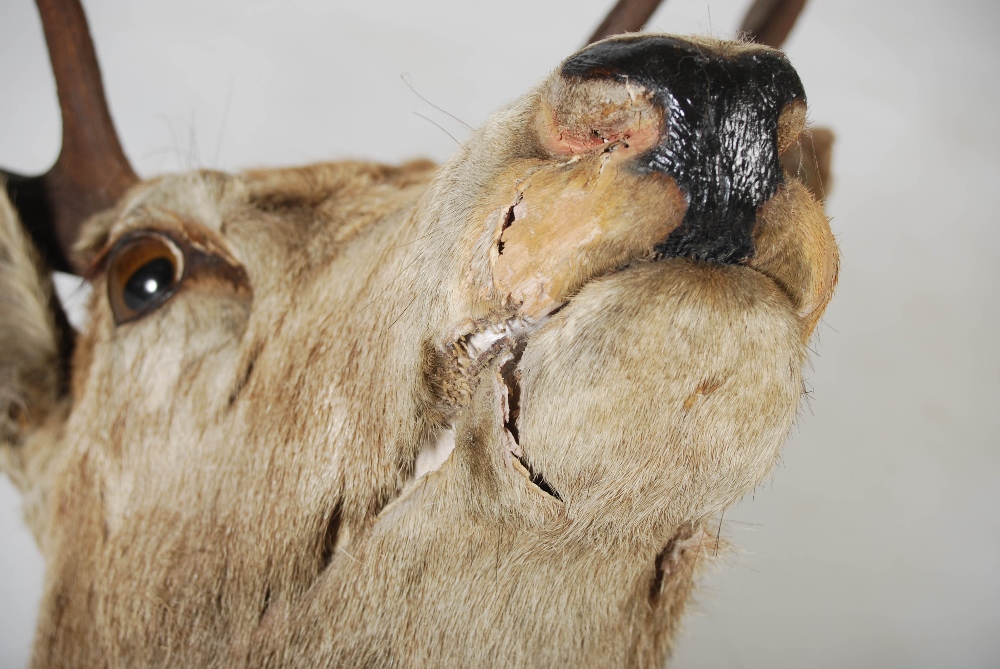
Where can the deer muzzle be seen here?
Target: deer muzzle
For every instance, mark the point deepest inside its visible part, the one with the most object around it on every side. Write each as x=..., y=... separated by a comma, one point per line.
x=655, y=147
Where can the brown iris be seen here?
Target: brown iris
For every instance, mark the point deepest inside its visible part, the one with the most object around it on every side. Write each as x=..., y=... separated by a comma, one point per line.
x=144, y=271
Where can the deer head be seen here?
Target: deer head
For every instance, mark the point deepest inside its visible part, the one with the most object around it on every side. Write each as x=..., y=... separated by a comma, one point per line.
x=601, y=303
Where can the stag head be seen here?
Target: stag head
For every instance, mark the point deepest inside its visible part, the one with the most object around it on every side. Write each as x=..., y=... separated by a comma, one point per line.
x=596, y=314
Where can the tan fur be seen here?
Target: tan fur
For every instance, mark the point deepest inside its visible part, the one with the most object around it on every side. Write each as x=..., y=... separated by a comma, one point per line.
x=233, y=483
x=31, y=378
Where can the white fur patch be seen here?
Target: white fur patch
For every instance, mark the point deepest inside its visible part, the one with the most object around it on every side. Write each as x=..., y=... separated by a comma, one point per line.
x=74, y=294
x=433, y=455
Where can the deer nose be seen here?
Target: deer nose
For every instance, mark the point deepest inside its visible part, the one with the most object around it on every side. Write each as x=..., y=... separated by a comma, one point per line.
x=712, y=116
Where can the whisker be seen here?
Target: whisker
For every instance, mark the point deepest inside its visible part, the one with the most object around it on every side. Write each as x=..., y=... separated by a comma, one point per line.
x=446, y=113
x=222, y=126
x=194, y=160
x=389, y=285
x=412, y=241
x=401, y=313
x=439, y=126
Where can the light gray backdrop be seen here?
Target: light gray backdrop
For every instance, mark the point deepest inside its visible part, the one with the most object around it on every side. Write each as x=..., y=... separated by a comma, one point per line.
x=876, y=543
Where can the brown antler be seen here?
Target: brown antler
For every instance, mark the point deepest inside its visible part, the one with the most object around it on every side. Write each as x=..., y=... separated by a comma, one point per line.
x=91, y=172
x=626, y=16
x=769, y=21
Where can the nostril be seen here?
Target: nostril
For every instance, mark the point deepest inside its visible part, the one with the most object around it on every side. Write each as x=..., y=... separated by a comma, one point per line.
x=577, y=116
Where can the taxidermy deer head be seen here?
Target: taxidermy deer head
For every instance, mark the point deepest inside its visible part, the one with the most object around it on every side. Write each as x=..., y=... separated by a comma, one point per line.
x=602, y=301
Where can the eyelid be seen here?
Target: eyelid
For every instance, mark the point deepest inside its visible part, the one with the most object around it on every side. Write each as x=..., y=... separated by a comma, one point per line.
x=130, y=254
x=137, y=237
x=199, y=255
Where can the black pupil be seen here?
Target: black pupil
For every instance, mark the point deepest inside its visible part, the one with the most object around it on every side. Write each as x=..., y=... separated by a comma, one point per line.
x=148, y=283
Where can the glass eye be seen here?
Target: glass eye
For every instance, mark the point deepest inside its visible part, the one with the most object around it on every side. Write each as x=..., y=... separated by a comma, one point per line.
x=144, y=271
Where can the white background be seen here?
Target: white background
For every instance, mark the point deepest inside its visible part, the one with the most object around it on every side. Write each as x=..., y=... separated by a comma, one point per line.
x=876, y=543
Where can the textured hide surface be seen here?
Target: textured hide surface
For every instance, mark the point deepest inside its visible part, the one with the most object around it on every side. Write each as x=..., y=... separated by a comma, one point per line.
x=228, y=480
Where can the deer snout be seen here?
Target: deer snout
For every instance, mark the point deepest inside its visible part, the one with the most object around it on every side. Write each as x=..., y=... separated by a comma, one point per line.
x=659, y=147
x=712, y=116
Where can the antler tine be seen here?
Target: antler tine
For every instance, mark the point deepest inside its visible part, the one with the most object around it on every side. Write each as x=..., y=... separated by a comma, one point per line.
x=626, y=16
x=92, y=171
x=769, y=21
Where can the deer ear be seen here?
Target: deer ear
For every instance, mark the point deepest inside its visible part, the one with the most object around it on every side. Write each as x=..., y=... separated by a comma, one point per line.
x=35, y=341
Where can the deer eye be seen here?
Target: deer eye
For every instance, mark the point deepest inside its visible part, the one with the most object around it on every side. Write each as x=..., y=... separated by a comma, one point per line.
x=144, y=271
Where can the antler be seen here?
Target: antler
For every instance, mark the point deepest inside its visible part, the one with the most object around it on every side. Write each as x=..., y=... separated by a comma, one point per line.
x=91, y=172
x=769, y=21
x=626, y=16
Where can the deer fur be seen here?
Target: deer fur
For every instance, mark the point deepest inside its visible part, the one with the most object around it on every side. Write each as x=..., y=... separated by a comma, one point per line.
x=230, y=479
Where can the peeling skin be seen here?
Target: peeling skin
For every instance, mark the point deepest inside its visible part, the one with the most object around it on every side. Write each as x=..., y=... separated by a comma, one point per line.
x=578, y=220
x=507, y=381
x=512, y=449
x=593, y=213
x=477, y=344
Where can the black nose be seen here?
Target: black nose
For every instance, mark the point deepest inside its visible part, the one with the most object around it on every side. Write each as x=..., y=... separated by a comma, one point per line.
x=721, y=104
